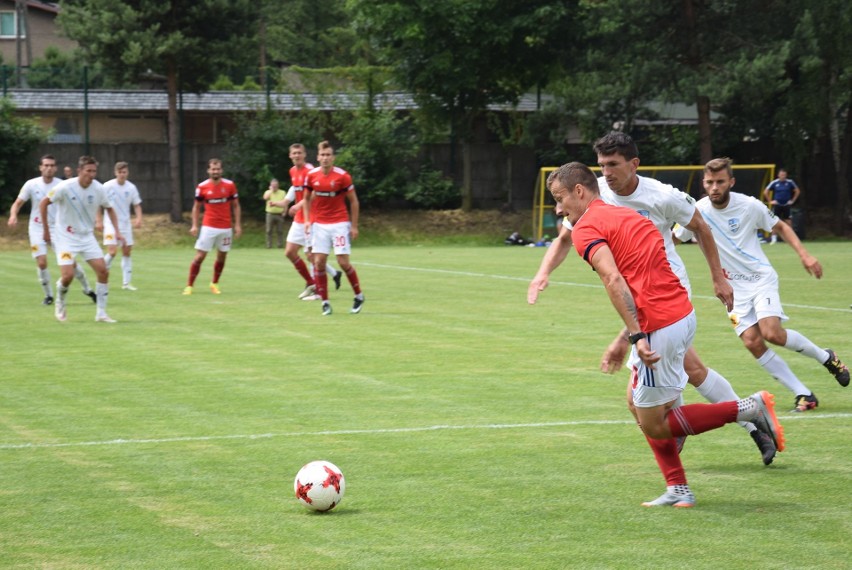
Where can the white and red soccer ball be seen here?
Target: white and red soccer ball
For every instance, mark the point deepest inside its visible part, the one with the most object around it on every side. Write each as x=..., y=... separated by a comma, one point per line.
x=319, y=485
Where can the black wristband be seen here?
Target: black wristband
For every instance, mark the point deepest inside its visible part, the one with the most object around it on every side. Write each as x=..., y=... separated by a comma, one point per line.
x=634, y=338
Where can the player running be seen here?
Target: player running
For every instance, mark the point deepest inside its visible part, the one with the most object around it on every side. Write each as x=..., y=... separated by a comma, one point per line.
x=124, y=195
x=757, y=314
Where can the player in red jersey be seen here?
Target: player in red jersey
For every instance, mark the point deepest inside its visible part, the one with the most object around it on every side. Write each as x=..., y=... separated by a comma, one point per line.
x=328, y=189
x=221, y=204
x=296, y=237
x=628, y=254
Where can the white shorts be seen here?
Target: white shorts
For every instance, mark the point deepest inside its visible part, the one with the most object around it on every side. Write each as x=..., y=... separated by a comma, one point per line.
x=126, y=233
x=296, y=234
x=325, y=237
x=38, y=246
x=220, y=238
x=759, y=303
x=67, y=246
x=668, y=379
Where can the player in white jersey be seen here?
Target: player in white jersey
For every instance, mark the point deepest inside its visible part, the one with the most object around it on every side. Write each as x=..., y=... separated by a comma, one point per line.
x=124, y=195
x=734, y=219
x=664, y=206
x=77, y=201
x=34, y=190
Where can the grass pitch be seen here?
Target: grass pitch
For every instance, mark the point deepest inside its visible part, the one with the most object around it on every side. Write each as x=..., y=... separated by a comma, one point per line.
x=474, y=430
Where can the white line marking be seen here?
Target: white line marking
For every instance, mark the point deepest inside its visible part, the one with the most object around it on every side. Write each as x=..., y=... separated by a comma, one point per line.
x=809, y=416
x=567, y=283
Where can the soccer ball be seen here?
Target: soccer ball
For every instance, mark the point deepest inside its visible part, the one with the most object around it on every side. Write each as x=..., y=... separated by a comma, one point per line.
x=319, y=485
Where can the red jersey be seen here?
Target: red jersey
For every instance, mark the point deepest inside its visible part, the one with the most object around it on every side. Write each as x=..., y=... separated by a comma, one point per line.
x=297, y=181
x=217, y=202
x=328, y=200
x=640, y=256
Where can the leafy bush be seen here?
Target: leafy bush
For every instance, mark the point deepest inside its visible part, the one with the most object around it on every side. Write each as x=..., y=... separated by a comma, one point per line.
x=19, y=138
x=433, y=190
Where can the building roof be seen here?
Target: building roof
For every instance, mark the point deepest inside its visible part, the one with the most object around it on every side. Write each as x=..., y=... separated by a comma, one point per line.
x=52, y=7
x=71, y=100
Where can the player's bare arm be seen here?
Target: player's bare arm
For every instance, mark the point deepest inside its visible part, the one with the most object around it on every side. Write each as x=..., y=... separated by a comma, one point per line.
x=354, y=212
x=811, y=264
x=13, y=213
x=138, y=209
x=237, y=212
x=306, y=211
x=721, y=286
x=42, y=208
x=114, y=219
x=553, y=258
x=196, y=208
x=622, y=299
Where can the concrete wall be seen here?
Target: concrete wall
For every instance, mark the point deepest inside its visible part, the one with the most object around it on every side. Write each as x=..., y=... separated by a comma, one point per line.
x=496, y=182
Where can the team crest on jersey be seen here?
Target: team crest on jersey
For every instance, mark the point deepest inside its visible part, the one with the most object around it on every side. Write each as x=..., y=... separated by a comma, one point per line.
x=734, y=225
x=90, y=199
x=644, y=213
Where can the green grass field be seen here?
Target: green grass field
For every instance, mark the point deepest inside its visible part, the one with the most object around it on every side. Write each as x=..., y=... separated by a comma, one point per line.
x=474, y=430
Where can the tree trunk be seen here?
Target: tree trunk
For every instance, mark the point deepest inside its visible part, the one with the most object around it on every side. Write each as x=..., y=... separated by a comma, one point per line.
x=842, y=216
x=174, y=154
x=467, y=185
x=705, y=140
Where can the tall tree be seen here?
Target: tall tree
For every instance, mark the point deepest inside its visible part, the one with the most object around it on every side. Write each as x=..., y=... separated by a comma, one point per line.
x=459, y=56
x=187, y=41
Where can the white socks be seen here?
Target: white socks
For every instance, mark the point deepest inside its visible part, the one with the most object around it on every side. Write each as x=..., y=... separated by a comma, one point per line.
x=126, y=269
x=799, y=343
x=80, y=275
x=716, y=388
x=44, y=279
x=102, y=290
x=779, y=370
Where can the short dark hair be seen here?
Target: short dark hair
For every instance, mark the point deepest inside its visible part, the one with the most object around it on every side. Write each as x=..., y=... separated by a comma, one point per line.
x=324, y=145
x=46, y=157
x=572, y=174
x=616, y=142
x=85, y=159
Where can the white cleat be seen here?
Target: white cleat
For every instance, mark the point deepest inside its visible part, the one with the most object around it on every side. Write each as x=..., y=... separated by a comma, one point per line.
x=309, y=290
x=104, y=318
x=313, y=297
x=129, y=287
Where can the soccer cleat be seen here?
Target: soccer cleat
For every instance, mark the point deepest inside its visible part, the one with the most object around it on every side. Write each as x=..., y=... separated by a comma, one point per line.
x=104, y=318
x=309, y=290
x=59, y=309
x=47, y=300
x=357, y=305
x=129, y=287
x=214, y=288
x=313, y=297
x=326, y=308
x=765, y=445
x=766, y=420
x=805, y=403
x=837, y=368
x=673, y=499
x=91, y=295
x=337, y=277
x=187, y=290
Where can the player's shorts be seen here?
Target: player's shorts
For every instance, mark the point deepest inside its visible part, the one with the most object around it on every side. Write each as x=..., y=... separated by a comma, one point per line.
x=220, y=238
x=38, y=246
x=68, y=246
x=325, y=237
x=126, y=233
x=668, y=379
x=296, y=234
x=759, y=303
x=783, y=212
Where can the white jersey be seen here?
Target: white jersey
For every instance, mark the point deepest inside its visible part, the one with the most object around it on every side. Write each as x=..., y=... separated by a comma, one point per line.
x=36, y=189
x=76, y=207
x=664, y=205
x=735, y=233
x=122, y=196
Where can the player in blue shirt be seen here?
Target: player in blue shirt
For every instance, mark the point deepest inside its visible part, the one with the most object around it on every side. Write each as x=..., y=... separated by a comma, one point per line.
x=781, y=194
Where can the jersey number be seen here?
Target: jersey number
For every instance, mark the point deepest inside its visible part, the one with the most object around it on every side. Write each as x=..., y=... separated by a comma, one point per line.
x=339, y=241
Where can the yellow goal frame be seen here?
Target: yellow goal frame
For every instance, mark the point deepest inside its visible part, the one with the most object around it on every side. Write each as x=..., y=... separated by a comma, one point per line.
x=544, y=217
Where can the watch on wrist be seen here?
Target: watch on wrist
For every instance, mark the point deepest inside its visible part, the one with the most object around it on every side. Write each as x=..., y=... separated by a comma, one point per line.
x=634, y=338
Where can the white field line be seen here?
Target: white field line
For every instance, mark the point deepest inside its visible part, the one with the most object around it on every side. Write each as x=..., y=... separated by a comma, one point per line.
x=433, y=428
x=566, y=283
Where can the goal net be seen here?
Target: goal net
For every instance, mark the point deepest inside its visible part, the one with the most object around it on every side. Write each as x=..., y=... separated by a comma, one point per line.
x=751, y=180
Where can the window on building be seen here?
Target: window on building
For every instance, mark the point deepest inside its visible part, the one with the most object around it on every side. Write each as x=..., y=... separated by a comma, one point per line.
x=7, y=25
